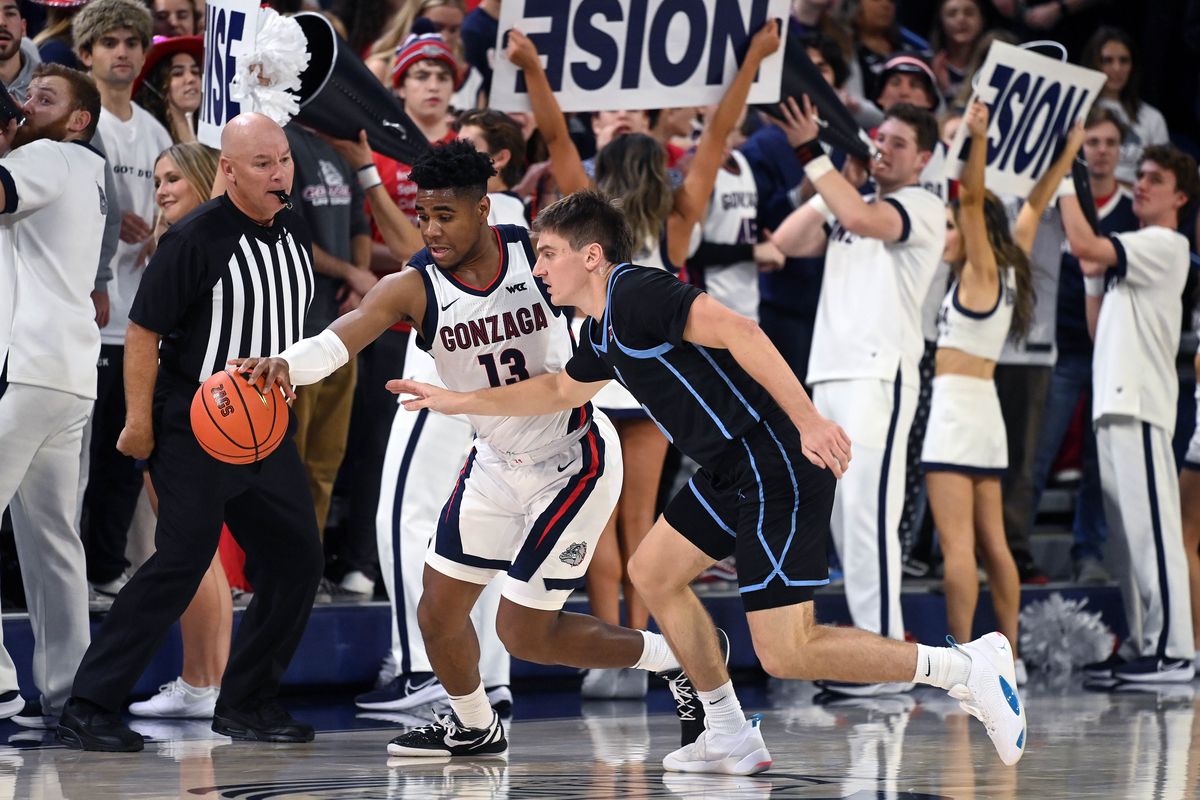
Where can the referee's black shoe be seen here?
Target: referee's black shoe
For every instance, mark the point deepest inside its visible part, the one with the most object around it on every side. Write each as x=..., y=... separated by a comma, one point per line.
x=266, y=722
x=688, y=705
x=86, y=726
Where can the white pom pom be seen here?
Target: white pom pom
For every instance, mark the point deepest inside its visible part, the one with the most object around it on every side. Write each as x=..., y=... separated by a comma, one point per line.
x=1057, y=635
x=267, y=79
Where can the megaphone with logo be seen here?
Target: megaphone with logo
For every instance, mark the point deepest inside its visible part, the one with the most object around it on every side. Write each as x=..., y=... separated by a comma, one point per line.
x=339, y=96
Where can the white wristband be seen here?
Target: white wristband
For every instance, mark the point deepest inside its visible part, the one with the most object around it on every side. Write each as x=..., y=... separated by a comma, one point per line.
x=1067, y=187
x=818, y=167
x=368, y=177
x=310, y=360
x=1093, y=287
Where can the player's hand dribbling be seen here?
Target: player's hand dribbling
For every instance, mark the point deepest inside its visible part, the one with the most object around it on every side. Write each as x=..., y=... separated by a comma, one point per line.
x=136, y=441
x=424, y=395
x=825, y=444
x=262, y=372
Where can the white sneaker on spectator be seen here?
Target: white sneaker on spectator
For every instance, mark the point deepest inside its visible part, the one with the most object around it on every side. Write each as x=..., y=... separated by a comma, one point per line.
x=1021, y=672
x=355, y=582
x=11, y=703
x=178, y=700
x=741, y=753
x=32, y=716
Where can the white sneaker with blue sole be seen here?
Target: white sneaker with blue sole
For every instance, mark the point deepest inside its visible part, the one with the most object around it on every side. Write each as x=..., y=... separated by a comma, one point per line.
x=990, y=693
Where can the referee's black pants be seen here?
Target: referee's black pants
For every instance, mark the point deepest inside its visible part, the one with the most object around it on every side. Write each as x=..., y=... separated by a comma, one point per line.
x=269, y=511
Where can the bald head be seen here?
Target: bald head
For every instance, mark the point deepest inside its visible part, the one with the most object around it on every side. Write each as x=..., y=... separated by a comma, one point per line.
x=245, y=132
x=256, y=162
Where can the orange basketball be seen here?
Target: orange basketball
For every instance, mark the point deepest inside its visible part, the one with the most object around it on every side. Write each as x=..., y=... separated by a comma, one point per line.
x=236, y=424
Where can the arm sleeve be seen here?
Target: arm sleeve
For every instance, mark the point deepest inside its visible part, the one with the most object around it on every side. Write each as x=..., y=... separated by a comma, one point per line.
x=586, y=366
x=178, y=273
x=33, y=176
x=650, y=307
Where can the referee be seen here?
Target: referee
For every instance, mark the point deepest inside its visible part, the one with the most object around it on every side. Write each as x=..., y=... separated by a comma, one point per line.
x=233, y=279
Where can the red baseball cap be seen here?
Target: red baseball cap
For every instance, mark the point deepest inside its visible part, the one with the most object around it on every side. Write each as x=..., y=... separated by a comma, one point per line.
x=423, y=47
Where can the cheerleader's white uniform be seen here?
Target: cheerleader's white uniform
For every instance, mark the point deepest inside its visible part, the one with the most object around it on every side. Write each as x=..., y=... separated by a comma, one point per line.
x=966, y=429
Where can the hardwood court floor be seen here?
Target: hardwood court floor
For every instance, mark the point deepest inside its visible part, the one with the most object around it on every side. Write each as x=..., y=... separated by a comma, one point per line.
x=1082, y=744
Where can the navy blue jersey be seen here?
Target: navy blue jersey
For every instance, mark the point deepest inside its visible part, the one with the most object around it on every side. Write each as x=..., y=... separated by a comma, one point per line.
x=700, y=398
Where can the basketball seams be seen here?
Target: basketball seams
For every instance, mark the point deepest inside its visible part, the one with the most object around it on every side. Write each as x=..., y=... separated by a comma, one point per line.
x=246, y=410
x=212, y=430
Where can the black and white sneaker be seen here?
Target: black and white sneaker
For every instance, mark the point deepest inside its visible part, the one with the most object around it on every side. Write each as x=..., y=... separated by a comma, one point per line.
x=688, y=706
x=449, y=737
x=32, y=716
x=1103, y=670
x=1150, y=669
x=403, y=693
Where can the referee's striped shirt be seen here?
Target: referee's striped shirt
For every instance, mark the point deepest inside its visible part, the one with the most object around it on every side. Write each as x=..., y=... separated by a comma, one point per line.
x=221, y=286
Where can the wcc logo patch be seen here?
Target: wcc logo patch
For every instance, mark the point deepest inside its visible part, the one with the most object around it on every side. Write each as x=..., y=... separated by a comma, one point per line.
x=574, y=554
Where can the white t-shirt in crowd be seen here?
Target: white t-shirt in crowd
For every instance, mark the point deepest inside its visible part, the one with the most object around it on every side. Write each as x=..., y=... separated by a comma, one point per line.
x=49, y=238
x=869, y=315
x=1137, y=334
x=507, y=209
x=132, y=148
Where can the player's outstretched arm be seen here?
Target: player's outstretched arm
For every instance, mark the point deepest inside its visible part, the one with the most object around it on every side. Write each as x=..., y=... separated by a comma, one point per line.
x=397, y=297
x=710, y=324
x=542, y=394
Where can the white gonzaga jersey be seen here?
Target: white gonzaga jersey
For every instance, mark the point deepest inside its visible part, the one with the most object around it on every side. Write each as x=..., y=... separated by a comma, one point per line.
x=869, y=315
x=499, y=334
x=1137, y=334
x=732, y=219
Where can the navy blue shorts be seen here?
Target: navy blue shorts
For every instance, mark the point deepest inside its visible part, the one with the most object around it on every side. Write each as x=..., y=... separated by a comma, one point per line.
x=769, y=506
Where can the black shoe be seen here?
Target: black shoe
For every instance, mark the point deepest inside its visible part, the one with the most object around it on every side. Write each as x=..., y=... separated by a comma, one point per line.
x=267, y=722
x=688, y=706
x=1031, y=574
x=1103, y=670
x=449, y=737
x=85, y=726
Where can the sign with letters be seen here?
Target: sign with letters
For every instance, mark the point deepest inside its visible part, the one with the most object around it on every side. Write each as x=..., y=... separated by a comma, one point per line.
x=1032, y=101
x=229, y=32
x=604, y=55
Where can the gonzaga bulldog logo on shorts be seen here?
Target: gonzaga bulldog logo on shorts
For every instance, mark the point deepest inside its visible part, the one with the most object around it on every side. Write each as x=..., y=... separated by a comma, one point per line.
x=574, y=554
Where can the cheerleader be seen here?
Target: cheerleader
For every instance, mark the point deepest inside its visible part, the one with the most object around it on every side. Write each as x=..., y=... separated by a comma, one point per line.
x=965, y=451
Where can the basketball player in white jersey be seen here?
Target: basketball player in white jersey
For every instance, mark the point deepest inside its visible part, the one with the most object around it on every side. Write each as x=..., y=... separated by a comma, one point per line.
x=1134, y=282
x=534, y=493
x=880, y=257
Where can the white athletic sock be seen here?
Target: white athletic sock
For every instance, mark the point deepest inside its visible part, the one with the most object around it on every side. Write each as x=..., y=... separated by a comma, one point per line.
x=722, y=710
x=473, y=710
x=656, y=653
x=941, y=666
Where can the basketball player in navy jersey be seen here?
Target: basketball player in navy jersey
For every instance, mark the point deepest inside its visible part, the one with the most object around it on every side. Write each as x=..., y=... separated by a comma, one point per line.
x=725, y=397
x=535, y=491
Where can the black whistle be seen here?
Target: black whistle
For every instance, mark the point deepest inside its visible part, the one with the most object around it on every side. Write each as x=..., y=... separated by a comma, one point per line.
x=284, y=199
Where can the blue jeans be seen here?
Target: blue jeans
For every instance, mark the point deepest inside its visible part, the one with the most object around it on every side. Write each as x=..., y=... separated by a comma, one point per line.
x=1073, y=377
